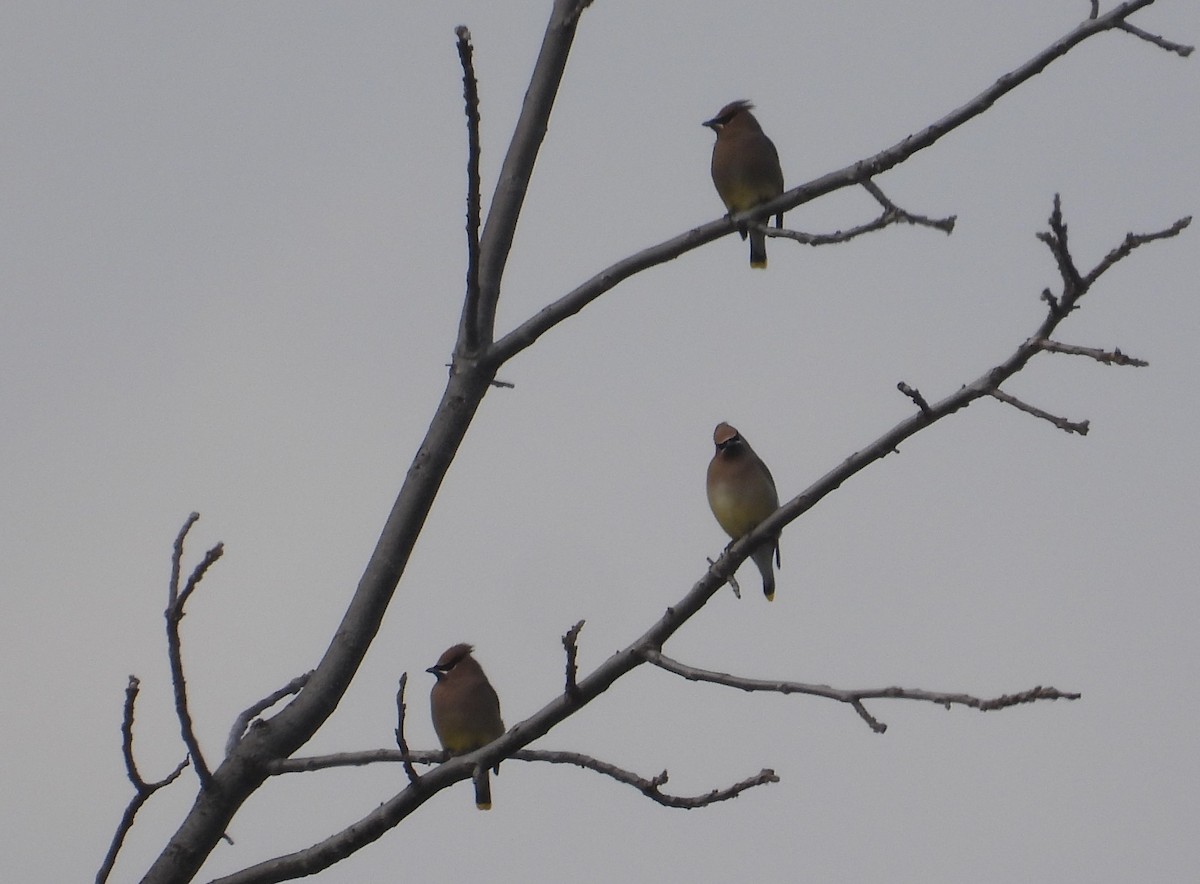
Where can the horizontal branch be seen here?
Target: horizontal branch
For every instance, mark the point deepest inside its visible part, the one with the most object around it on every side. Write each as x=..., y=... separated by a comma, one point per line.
x=1106, y=357
x=648, y=786
x=855, y=697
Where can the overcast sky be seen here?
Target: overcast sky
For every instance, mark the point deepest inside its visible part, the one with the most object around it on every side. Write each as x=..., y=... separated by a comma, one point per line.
x=231, y=264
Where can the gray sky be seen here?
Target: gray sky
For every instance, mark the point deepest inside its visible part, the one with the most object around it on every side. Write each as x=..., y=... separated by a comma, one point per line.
x=232, y=267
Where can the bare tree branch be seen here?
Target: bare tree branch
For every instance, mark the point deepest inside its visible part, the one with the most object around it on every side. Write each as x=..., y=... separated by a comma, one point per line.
x=401, y=742
x=176, y=599
x=469, y=330
x=1106, y=357
x=242, y=722
x=892, y=214
x=570, y=645
x=855, y=697
x=1080, y=427
x=1133, y=241
x=915, y=395
x=141, y=789
x=1178, y=48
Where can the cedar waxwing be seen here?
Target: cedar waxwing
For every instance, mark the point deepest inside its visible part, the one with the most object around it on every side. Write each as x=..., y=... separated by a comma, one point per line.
x=466, y=711
x=745, y=169
x=742, y=493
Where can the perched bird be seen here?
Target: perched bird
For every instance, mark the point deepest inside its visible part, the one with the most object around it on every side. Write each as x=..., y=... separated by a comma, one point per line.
x=741, y=494
x=465, y=710
x=745, y=169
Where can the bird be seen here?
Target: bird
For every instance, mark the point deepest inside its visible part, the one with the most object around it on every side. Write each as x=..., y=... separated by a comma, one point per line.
x=465, y=711
x=741, y=494
x=745, y=169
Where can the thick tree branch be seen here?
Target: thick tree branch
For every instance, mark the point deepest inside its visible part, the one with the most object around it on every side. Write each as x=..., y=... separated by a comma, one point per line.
x=855, y=697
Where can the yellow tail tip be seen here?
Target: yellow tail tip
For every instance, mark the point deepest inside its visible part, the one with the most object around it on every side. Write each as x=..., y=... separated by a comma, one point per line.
x=480, y=806
x=759, y=265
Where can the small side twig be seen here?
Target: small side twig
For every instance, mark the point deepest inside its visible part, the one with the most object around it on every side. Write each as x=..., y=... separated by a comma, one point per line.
x=1080, y=427
x=915, y=395
x=854, y=698
x=141, y=789
x=891, y=214
x=405, y=755
x=1106, y=357
x=242, y=723
x=570, y=643
x=176, y=600
x=1133, y=241
x=731, y=579
x=1180, y=49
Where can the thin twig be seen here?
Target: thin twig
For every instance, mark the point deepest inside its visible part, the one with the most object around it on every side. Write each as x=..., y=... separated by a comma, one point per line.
x=401, y=742
x=1080, y=427
x=242, y=723
x=915, y=395
x=1179, y=49
x=174, y=614
x=1105, y=357
x=570, y=645
x=1133, y=241
x=854, y=698
x=141, y=789
x=470, y=319
x=729, y=578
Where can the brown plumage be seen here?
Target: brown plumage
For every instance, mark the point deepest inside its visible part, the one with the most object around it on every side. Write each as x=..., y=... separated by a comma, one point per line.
x=466, y=711
x=745, y=169
x=741, y=494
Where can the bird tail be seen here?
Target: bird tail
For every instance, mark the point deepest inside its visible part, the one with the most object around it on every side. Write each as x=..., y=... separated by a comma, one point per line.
x=762, y=558
x=483, y=789
x=758, y=249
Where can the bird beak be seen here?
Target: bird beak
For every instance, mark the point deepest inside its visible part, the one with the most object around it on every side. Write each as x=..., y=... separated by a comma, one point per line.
x=712, y=124
x=432, y=670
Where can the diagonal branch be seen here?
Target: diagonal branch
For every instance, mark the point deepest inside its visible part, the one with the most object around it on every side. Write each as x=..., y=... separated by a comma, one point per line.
x=242, y=722
x=176, y=599
x=854, y=698
x=1080, y=427
x=855, y=174
x=517, y=169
